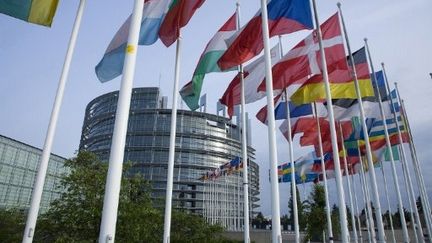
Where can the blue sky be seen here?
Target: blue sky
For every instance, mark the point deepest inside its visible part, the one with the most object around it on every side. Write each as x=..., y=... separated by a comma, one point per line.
x=31, y=58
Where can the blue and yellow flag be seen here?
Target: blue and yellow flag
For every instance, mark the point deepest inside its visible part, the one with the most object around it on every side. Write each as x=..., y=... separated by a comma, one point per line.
x=39, y=12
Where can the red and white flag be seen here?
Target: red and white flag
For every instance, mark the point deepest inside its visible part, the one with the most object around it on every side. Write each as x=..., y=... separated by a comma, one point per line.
x=304, y=59
x=253, y=75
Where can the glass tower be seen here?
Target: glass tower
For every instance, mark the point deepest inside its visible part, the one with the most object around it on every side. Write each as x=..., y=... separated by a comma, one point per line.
x=203, y=142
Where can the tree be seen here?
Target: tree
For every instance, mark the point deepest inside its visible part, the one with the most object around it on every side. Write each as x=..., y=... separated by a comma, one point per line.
x=260, y=221
x=11, y=225
x=315, y=216
x=335, y=221
x=75, y=216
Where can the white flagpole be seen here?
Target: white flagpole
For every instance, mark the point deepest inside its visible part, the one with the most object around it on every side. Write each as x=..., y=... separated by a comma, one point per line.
x=328, y=213
x=357, y=209
x=291, y=150
x=113, y=181
x=293, y=179
x=425, y=199
x=378, y=95
x=276, y=228
x=168, y=198
x=369, y=218
x=341, y=197
x=43, y=166
x=410, y=203
x=244, y=146
x=388, y=201
x=404, y=162
x=348, y=182
x=416, y=171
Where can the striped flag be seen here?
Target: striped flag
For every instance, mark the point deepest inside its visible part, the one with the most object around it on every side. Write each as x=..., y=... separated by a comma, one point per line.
x=111, y=65
x=208, y=63
x=39, y=12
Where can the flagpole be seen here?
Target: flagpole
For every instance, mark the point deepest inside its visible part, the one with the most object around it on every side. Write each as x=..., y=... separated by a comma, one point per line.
x=425, y=200
x=388, y=201
x=341, y=197
x=43, y=166
x=115, y=164
x=276, y=229
x=348, y=182
x=369, y=217
x=170, y=175
x=328, y=213
x=404, y=156
x=293, y=179
x=357, y=209
x=244, y=145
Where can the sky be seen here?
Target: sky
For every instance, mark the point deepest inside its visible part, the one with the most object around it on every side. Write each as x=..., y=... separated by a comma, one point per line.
x=31, y=59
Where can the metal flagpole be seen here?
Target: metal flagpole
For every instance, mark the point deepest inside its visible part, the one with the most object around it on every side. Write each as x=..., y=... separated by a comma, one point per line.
x=341, y=197
x=370, y=220
x=244, y=146
x=293, y=179
x=348, y=182
x=328, y=213
x=410, y=204
x=276, y=228
x=378, y=95
x=291, y=150
x=113, y=181
x=356, y=208
x=168, y=199
x=369, y=215
x=43, y=165
x=388, y=201
x=425, y=199
x=403, y=161
x=371, y=238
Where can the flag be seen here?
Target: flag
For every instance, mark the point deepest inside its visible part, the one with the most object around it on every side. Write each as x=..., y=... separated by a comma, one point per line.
x=284, y=17
x=253, y=75
x=207, y=63
x=304, y=59
x=307, y=168
x=379, y=85
x=179, y=14
x=281, y=109
x=341, y=83
x=39, y=12
x=111, y=65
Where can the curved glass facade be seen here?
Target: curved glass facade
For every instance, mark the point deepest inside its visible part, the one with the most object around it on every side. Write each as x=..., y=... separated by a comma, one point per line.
x=203, y=142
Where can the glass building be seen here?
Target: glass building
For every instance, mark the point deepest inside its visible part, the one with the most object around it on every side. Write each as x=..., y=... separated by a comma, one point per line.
x=203, y=142
x=19, y=163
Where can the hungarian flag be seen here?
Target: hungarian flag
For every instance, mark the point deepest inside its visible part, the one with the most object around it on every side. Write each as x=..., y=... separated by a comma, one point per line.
x=303, y=60
x=179, y=14
x=111, y=64
x=253, y=75
x=39, y=12
x=207, y=63
x=341, y=82
x=284, y=17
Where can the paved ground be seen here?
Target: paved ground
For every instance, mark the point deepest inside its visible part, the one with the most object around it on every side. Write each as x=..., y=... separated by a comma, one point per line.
x=264, y=236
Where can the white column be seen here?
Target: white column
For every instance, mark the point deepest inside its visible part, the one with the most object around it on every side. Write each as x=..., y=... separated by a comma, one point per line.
x=112, y=189
x=338, y=175
x=276, y=228
x=43, y=165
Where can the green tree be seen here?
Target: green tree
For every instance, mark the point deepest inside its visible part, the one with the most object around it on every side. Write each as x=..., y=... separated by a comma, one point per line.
x=315, y=215
x=335, y=221
x=11, y=225
x=76, y=215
